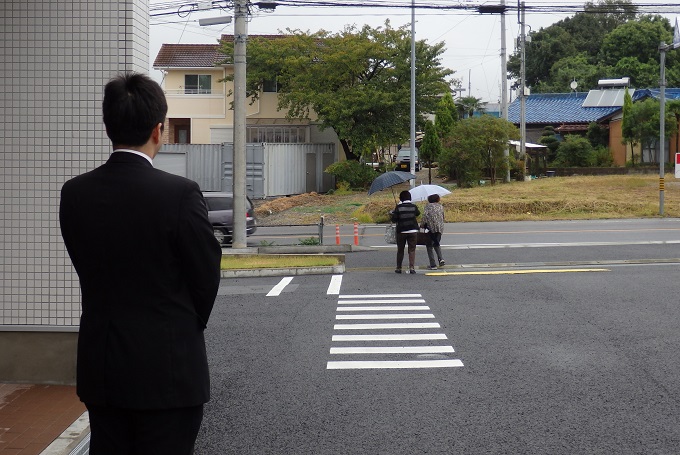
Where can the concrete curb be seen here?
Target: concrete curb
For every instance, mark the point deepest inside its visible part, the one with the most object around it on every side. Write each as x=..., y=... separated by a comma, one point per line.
x=298, y=249
x=244, y=273
x=75, y=440
x=282, y=271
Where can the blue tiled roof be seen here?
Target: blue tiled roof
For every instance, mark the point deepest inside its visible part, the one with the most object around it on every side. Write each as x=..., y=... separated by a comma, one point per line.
x=550, y=108
x=671, y=93
x=554, y=108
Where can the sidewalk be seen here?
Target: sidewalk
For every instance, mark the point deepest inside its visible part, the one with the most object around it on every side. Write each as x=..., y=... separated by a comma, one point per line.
x=33, y=416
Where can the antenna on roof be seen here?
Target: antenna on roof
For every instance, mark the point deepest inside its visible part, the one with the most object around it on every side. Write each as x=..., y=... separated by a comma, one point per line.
x=573, y=85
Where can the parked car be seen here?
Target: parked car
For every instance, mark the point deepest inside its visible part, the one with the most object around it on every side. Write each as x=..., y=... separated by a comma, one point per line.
x=404, y=160
x=221, y=215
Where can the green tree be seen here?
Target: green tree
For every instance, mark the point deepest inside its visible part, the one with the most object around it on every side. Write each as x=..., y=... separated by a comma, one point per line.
x=446, y=115
x=641, y=74
x=477, y=145
x=575, y=151
x=598, y=135
x=356, y=82
x=607, y=40
x=636, y=39
x=565, y=70
x=431, y=147
x=549, y=139
x=627, y=124
x=468, y=105
x=673, y=108
x=646, y=123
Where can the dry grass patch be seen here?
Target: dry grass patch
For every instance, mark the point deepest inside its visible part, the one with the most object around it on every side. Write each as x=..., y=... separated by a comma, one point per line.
x=267, y=261
x=558, y=198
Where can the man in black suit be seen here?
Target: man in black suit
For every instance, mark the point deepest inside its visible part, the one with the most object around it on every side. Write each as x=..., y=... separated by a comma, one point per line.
x=149, y=269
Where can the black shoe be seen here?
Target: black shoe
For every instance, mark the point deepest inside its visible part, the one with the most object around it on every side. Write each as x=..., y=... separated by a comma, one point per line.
x=441, y=262
x=397, y=271
x=432, y=267
x=412, y=271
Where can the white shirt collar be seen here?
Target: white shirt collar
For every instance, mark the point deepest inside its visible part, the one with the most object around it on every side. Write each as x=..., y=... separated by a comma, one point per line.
x=136, y=153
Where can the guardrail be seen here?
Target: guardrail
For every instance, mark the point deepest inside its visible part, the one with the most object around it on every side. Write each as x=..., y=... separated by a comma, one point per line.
x=314, y=232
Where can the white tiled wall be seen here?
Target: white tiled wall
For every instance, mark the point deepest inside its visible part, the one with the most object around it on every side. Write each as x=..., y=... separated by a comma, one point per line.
x=56, y=57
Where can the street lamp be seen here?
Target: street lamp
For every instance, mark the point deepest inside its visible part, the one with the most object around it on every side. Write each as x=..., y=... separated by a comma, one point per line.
x=203, y=22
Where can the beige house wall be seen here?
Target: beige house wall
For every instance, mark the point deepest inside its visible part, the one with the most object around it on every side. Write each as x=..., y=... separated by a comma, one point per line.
x=213, y=112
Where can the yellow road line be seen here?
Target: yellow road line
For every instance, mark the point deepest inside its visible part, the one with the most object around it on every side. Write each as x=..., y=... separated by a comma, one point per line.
x=516, y=272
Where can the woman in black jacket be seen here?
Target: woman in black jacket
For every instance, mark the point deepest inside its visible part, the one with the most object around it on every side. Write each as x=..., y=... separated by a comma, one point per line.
x=405, y=215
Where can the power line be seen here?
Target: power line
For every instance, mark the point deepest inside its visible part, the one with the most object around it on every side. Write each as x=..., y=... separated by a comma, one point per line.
x=183, y=7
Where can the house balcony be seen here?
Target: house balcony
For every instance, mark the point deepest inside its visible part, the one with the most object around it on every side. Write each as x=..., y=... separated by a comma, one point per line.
x=196, y=103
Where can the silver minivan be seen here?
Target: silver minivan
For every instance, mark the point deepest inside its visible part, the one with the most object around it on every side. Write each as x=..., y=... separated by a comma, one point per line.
x=221, y=215
x=404, y=160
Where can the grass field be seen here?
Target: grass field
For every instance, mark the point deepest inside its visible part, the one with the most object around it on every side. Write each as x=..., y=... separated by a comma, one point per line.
x=557, y=198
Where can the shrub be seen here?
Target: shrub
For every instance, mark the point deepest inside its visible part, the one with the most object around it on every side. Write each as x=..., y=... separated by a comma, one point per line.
x=603, y=157
x=575, y=151
x=355, y=174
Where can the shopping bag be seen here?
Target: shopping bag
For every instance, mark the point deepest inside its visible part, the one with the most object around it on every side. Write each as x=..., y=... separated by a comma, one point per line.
x=391, y=234
x=424, y=237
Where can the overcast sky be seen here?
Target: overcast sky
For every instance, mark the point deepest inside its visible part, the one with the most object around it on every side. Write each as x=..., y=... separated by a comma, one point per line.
x=472, y=41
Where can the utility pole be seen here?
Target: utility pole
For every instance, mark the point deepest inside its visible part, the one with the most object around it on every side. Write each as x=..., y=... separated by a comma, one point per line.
x=504, y=88
x=663, y=48
x=522, y=97
x=238, y=235
x=412, y=141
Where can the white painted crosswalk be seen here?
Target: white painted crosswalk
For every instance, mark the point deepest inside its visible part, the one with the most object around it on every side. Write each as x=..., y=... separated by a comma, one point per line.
x=410, y=345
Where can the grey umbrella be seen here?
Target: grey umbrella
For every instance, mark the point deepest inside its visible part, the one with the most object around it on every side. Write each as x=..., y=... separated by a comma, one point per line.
x=389, y=179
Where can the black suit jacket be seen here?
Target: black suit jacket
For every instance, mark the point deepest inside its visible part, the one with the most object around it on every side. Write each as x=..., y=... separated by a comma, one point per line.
x=149, y=268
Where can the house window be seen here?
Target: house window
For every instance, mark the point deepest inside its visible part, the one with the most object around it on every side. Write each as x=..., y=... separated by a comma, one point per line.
x=270, y=86
x=276, y=134
x=197, y=84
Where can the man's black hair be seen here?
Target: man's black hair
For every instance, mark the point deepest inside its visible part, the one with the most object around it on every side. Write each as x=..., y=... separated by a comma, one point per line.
x=404, y=196
x=133, y=105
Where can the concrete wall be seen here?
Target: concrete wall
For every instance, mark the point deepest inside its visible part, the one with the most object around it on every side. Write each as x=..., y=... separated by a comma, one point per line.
x=38, y=357
x=56, y=58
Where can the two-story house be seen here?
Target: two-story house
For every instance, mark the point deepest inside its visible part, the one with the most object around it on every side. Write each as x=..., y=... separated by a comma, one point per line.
x=199, y=102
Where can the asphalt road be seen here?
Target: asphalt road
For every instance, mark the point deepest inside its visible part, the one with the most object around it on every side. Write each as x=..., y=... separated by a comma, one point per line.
x=561, y=339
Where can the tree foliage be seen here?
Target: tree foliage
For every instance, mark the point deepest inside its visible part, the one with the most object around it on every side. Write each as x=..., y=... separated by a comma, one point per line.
x=468, y=105
x=607, y=40
x=476, y=147
x=627, y=123
x=575, y=151
x=356, y=175
x=446, y=115
x=431, y=147
x=356, y=81
x=549, y=139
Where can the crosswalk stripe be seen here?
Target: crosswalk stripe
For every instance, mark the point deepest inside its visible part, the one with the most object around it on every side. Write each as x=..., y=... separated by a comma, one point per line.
x=358, y=365
x=392, y=350
x=405, y=325
x=395, y=337
x=374, y=301
x=379, y=296
x=334, y=286
x=385, y=316
x=384, y=308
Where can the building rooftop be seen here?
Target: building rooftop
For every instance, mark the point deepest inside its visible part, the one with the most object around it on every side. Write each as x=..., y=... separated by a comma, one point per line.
x=568, y=108
x=196, y=55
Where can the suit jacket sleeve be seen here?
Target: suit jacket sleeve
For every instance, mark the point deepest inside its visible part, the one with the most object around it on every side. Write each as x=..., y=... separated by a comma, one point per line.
x=199, y=252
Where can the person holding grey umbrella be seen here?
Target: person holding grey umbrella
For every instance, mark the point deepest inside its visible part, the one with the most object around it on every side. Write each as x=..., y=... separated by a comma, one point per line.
x=405, y=214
